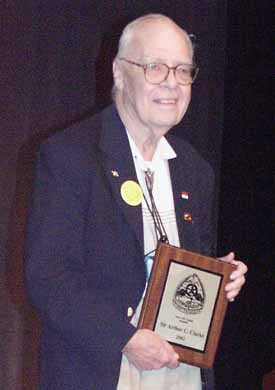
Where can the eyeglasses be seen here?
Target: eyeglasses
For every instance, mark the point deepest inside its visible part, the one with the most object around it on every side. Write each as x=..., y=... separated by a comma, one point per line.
x=156, y=73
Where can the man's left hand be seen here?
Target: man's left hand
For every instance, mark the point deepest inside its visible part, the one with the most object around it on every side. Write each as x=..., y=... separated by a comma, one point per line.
x=237, y=277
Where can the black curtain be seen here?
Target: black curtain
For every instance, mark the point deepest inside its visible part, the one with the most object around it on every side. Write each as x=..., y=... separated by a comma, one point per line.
x=246, y=196
x=55, y=70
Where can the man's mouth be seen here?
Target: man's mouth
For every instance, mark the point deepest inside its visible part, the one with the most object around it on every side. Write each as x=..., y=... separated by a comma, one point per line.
x=165, y=101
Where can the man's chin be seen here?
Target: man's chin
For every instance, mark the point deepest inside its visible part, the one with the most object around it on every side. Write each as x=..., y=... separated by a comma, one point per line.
x=164, y=126
x=166, y=122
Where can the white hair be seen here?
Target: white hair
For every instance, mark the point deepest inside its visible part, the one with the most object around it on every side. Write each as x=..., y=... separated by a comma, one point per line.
x=128, y=32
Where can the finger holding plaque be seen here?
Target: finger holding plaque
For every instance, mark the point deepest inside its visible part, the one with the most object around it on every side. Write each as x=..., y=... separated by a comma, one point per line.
x=185, y=302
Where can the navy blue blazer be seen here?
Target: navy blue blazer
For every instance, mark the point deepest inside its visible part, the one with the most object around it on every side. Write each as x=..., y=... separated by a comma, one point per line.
x=84, y=261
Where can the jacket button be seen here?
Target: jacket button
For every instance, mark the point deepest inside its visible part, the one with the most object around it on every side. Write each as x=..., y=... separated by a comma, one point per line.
x=130, y=311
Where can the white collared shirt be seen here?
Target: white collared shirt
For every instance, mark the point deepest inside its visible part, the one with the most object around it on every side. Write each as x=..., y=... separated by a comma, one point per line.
x=185, y=376
x=162, y=192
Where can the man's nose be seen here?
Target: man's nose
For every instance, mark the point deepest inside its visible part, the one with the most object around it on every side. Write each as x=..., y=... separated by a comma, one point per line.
x=171, y=80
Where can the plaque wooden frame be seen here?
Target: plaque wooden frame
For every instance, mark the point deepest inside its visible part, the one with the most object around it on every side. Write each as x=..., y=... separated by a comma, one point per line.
x=157, y=295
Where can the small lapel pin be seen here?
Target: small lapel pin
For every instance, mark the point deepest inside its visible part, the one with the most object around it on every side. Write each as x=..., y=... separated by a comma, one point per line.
x=184, y=195
x=115, y=173
x=187, y=217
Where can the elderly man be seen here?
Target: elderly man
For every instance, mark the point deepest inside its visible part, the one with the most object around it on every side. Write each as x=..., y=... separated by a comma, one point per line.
x=92, y=227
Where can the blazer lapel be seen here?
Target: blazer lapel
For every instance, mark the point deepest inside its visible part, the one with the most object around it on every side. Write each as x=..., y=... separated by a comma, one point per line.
x=119, y=167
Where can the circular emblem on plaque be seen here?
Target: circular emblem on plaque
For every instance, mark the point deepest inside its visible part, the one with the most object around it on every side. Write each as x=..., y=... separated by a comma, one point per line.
x=131, y=193
x=189, y=297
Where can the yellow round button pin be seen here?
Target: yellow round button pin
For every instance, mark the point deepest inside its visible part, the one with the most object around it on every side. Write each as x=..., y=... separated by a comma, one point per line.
x=131, y=193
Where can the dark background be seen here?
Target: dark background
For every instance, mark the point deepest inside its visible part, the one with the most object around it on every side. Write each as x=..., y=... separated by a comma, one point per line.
x=56, y=69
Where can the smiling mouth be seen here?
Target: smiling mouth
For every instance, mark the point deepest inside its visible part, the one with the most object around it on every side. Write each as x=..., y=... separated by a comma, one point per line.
x=166, y=101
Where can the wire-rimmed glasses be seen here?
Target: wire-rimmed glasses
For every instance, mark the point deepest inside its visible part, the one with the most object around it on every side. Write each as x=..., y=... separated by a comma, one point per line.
x=156, y=73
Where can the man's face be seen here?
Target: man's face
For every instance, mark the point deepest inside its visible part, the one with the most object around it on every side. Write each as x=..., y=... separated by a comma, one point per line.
x=156, y=108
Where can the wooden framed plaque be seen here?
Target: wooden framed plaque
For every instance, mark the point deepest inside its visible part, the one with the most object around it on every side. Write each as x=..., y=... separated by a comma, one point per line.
x=185, y=302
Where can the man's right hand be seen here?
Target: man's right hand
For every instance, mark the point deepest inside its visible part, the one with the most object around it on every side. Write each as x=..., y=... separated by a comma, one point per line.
x=148, y=351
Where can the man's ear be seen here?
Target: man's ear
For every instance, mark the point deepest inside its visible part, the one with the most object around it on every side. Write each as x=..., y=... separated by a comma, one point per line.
x=117, y=75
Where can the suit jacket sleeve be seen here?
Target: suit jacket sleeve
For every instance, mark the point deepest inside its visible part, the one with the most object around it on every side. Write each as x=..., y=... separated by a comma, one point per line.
x=68, y=296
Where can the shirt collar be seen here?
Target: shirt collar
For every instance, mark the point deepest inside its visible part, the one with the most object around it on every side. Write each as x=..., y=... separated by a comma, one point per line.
x=164, y=151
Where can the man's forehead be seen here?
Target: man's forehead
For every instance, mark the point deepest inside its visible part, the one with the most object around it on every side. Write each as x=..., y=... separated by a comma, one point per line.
x=153, y=44
x=157, y=28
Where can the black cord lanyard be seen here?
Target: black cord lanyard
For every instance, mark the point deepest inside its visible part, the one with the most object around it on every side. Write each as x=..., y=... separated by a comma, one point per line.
x=160, y=231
